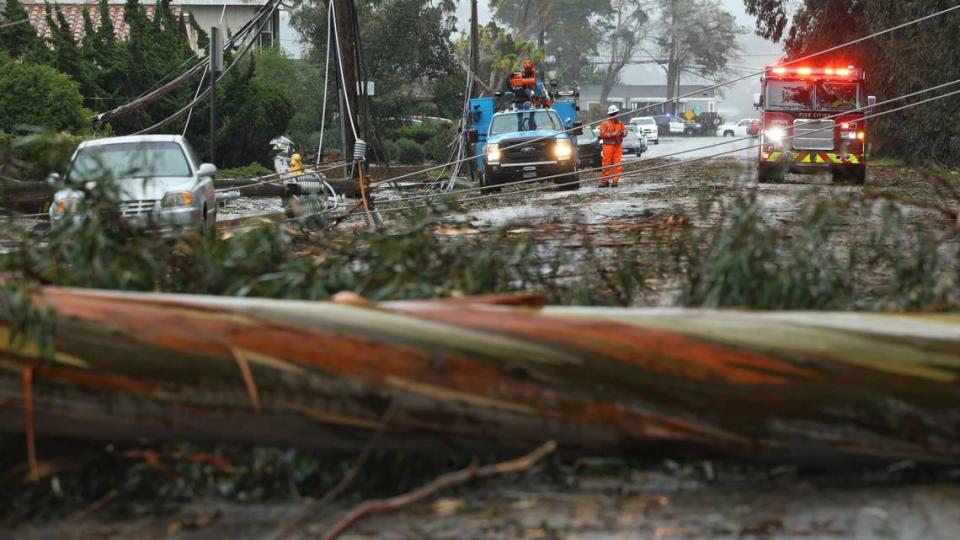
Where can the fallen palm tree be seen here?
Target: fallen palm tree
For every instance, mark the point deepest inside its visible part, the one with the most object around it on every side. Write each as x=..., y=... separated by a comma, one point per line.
x=501, y=374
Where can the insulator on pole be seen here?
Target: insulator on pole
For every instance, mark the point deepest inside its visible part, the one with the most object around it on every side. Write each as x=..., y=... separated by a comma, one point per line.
x=360, y=150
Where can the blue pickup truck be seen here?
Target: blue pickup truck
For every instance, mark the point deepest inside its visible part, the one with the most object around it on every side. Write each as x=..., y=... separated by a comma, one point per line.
x=525, y=143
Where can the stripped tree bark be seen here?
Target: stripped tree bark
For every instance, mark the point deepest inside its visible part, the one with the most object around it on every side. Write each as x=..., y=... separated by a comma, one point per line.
x=478, y=375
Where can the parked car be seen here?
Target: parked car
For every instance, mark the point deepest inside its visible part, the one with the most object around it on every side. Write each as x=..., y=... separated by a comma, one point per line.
x=646, y=125
x=692, y=128
x=740, y=129
x=668, y=124
x=634, y=145
x=163, y=186
x=589, y=150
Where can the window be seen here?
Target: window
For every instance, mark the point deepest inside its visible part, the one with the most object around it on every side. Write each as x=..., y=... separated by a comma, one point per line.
x=266, y=40
x=130, y=160
x=789, y=95
x=192, y=154
x=837, y=96
x=525, y=121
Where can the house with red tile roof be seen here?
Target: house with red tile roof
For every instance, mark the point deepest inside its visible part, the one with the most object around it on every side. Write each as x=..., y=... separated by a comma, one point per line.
x=229, y=14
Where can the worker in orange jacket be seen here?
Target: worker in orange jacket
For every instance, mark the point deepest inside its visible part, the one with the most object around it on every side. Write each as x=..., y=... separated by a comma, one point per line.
x=612, y=133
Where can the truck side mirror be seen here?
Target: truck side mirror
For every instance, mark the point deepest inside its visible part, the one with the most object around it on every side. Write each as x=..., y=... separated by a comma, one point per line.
x=53, y=179
x=577, y=128
x=757, y=100
x=871, y=101
x=473, y=136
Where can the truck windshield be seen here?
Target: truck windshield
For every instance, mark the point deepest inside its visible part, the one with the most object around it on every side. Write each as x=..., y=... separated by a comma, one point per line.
x=789, y=95
x=130, y=160
x=525, y=121
x=837, y=96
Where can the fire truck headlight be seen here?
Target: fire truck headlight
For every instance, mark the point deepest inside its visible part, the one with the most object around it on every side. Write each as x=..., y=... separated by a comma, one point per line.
x=775, y=135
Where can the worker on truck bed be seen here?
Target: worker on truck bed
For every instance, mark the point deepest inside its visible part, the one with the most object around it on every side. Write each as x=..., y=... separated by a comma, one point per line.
x=612, y=133
x=528, y=86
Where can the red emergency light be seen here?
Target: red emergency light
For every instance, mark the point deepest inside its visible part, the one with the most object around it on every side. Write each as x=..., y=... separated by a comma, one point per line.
x=804, y=71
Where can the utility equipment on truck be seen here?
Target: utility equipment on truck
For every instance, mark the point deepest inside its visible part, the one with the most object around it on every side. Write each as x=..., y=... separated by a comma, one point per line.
x=812, y=120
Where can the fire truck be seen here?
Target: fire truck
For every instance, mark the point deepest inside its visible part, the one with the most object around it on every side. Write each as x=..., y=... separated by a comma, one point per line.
x=812, y=121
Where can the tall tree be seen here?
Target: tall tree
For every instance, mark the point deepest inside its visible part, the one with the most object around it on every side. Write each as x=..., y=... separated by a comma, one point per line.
x=406, y=47
x=696, y=37
x=568, y=31
x=624, y=37
x=67, y=57
x=16, y=37
x=107, y=58
x=499, y=54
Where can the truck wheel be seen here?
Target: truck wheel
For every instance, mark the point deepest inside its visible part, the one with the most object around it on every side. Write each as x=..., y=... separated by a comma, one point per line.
x=728, y=133
x=853, y=174
x=769, y=173
x=568, y=182
x=489, y=183
x=860, y=175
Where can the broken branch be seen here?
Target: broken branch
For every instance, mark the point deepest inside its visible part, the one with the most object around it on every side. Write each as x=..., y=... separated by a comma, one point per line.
x=443, y=482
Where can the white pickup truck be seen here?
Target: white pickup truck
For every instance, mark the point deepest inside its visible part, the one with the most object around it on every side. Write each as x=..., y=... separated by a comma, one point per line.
x=740, y=129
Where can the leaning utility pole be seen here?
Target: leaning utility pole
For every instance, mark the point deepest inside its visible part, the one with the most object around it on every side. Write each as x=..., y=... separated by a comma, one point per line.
x=473, y=87
x=346, y=63
x=474, y=47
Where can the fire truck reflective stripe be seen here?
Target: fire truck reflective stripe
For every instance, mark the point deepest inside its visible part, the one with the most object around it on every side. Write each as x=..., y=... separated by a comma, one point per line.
x=811, y=158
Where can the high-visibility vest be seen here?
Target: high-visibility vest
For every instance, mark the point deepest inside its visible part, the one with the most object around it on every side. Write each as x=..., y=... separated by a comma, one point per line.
x=612, y=131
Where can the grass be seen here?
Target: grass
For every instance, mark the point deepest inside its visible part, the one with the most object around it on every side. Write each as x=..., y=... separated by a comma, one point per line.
x=886, y=162
x=252, y=170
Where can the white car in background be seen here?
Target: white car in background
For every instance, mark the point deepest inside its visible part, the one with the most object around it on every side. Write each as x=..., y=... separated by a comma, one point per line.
x=740, y=129
x=163, y=185
x=646, y=125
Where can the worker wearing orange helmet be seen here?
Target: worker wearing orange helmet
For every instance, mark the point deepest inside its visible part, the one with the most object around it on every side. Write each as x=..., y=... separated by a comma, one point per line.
x=612, y=133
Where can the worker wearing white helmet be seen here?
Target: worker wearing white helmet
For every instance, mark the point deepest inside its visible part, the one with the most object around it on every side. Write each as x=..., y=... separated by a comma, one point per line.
x=612, y=133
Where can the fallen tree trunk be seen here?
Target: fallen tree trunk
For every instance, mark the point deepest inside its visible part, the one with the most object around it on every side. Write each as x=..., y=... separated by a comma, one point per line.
x=788, y=387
